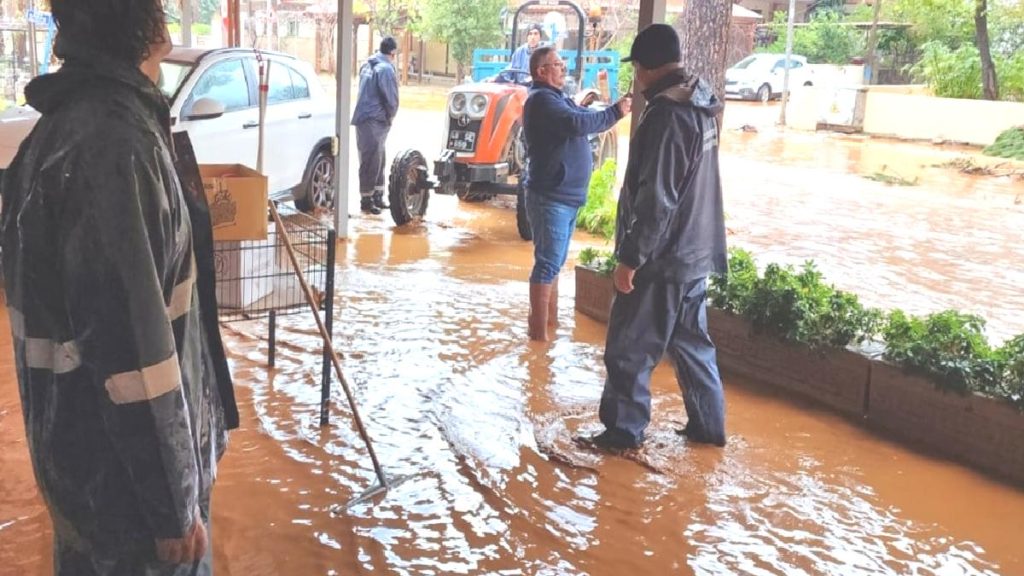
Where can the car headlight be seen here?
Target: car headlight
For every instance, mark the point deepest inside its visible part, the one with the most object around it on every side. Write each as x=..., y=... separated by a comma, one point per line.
x=457, y=105
x=478, y=106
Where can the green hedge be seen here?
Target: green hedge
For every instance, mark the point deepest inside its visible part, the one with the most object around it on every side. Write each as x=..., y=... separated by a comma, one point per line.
x=797, y=305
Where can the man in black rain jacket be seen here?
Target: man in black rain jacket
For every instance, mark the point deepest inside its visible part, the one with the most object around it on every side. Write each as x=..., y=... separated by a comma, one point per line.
x=670, y=236
x=125, y=388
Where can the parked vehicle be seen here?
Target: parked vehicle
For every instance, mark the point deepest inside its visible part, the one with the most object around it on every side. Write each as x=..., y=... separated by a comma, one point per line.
x=484, y=149
x=214, y=96
x=760, y=76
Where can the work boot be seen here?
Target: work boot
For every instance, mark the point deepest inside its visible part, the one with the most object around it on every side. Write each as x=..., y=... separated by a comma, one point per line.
x=553, y=307
x=367, y=205
x=378, y=200
x=540, y=302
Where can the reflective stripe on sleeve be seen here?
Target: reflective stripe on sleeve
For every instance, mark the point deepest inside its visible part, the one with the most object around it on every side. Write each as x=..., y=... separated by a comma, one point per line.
x=146, y=384
x=181, y=296
x=42, y=353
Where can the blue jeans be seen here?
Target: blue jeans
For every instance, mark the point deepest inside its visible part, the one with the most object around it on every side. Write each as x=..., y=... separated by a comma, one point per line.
x=553, y=224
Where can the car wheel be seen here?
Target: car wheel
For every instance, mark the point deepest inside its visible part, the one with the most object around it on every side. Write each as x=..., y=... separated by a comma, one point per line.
x=764, y=93
x=318, y=189
x=522, y=220
x=808, y=83
x=407, y=188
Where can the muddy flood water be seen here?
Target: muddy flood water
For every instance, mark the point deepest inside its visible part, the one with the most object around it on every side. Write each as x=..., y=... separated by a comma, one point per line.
x=431, y=324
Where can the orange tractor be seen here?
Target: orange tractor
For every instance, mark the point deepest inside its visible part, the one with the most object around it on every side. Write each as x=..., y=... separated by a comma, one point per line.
x=485, y=152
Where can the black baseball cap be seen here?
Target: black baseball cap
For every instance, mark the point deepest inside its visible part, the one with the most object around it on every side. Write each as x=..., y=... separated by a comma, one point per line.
x=655, y=46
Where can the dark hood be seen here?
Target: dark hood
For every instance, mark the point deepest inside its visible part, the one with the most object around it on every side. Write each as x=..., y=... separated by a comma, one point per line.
x=87, y=69
x=683, y=88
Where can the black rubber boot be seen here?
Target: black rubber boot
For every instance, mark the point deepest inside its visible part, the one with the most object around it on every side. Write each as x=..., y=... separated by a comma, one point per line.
x=378, y=201
x=367, y=205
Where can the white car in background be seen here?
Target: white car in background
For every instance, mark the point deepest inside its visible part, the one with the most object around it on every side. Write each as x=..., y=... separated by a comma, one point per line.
x=214, y=96
x=760, y=76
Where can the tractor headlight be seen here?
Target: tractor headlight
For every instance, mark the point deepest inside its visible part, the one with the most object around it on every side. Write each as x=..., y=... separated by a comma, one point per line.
x=478, y=106
x=457, y=105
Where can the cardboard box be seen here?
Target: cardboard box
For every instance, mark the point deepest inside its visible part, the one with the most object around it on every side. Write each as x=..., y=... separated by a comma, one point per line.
x=238, y=201
x=245, y=271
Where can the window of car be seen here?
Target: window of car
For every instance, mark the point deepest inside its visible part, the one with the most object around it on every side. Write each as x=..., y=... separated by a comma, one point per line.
x=279, y=86
x=299, y=85
x=224, y=82
x=746, y=62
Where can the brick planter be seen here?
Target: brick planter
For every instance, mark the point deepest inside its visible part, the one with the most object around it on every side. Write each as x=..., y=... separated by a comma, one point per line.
x=594, y=293
x=983, y=432
x=833, y=377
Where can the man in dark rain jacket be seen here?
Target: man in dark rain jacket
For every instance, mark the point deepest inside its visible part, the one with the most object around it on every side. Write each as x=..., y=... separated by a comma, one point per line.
x=125, y=390
x=670, y=236
x=376, y=106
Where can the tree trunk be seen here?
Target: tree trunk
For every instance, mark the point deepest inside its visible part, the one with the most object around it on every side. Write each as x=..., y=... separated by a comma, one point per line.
x=704, y=31
x=989, y=81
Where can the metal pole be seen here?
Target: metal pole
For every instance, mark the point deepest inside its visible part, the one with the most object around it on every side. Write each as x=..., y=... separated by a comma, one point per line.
x=33, y=55
x=186, y=23
x=343, y=77
x=789, y=55
x=871, y=74
x=325, y=379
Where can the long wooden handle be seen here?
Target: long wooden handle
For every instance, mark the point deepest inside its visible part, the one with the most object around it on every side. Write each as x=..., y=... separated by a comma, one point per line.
x=311, y=300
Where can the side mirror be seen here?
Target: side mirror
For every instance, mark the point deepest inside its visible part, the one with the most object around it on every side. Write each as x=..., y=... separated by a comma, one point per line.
x=206, y=109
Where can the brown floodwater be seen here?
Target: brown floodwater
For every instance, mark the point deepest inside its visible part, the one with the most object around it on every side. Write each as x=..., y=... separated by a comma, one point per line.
x=431, y=324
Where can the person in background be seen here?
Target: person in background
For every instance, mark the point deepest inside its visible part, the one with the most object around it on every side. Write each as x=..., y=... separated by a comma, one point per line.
x=670, y=236
x=125, y=390
x=521, y=57
x=558, y=176
x=376, y=106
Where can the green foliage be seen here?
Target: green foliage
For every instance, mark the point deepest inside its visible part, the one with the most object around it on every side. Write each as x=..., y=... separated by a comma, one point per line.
x=198, y=29
x=947, y=22
x=949, y=347
x=598, y=215
x=823, y=40
x=622, y=46
x=795, y=306
x=464, y=25
x=734, y=291
x=957, y=73
x=602, y=261
x=1009, y=144
x=1011, y=362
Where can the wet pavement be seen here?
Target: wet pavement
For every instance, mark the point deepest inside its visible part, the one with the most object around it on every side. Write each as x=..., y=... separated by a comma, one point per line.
x=431, y=323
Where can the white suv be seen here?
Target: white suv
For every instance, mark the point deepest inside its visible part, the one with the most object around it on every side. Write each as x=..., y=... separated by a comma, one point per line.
x=214, y=96
x=760, y=76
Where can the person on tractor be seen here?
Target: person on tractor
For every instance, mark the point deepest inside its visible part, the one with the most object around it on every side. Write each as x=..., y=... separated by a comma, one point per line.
x=376, y=107
x=521, y=57
x=558, y=175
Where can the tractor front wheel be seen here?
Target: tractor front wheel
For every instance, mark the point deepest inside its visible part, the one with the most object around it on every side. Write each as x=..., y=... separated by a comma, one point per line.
x=522, y=220
x=408, y=191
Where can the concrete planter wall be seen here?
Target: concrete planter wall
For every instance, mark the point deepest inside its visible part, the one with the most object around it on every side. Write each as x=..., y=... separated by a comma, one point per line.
x=982, y=432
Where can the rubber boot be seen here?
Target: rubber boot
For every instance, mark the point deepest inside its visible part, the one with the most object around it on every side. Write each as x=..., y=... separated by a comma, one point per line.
x=540, y=301
x=367, y=206
x=553, y=308
x=378, y=200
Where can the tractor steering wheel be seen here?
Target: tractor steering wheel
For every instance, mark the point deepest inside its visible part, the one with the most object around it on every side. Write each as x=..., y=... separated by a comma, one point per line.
x=513, y=76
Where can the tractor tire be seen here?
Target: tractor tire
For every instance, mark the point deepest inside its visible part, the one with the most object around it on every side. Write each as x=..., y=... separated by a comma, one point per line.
x=472, y=193
x=522, y=219
x=408, y=193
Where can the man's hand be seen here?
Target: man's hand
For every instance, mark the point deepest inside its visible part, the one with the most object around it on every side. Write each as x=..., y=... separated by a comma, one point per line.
x=623, y=278
x=625, y=105
x=185, y=550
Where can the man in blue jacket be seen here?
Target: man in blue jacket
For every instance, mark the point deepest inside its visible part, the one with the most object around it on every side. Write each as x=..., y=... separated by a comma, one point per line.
x=670, y=236
x=521, y=57
x=561, y=161
x=376, y=107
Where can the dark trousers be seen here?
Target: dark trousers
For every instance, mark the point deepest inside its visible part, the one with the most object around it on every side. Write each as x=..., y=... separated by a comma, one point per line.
x=370, y=139
x=137, y=558
x=658, y=317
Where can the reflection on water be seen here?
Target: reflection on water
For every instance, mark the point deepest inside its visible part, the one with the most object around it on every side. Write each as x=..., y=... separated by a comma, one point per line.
x=431, y=326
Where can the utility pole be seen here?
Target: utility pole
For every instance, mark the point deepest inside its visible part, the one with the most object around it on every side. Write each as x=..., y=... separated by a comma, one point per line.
x=789, y=55
x=871, y=74
x=186, y=23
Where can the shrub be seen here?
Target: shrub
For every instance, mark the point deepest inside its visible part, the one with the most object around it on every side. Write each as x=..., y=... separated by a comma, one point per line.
x=949, y=347
x=733, y=291
x=598, y=215
x=602, y=261
x=1010, y=359
x=1009, y=144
